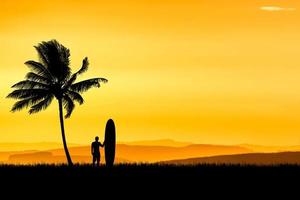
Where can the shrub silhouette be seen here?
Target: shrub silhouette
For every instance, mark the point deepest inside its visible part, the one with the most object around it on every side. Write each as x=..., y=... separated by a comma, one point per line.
x=51, y=78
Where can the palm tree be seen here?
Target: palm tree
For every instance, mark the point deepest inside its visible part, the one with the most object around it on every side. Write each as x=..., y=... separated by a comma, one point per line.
x=51, y=78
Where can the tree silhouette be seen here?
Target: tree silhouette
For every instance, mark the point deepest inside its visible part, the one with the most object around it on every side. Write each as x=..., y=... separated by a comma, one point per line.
x=51, y=78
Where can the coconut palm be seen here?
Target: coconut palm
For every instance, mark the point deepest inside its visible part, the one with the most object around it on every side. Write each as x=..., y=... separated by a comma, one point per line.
x=51, y=78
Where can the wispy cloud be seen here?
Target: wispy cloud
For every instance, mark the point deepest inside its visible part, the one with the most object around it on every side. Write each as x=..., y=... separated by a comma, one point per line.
x=276, y=8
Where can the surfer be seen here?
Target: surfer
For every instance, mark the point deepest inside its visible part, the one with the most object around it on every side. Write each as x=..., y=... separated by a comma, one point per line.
x=95, y=148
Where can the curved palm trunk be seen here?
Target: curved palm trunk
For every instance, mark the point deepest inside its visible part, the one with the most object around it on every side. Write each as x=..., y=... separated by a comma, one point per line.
x=61, y=117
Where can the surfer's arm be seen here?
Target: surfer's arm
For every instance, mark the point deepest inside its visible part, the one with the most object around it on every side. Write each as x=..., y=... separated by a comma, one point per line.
x=92, y=149
x=102, y=145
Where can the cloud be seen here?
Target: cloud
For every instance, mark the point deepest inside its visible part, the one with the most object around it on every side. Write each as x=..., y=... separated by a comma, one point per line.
x=276, y=8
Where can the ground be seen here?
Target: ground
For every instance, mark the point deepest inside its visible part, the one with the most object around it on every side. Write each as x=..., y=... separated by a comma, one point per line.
x=153, y=179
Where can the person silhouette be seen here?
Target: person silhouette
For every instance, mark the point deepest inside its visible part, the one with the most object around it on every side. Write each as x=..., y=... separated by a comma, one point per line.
x=95, y=149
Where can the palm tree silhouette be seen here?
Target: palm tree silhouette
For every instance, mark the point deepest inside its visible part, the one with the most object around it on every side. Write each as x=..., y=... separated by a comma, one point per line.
x=51, y=78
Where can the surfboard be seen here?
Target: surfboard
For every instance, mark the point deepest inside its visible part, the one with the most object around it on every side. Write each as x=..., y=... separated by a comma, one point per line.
x=110, y=143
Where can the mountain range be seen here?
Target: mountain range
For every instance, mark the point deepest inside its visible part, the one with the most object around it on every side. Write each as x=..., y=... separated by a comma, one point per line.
x=167, y=151
x=243, y=159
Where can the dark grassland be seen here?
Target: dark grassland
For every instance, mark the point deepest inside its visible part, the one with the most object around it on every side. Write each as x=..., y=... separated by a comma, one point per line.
x=153, y=179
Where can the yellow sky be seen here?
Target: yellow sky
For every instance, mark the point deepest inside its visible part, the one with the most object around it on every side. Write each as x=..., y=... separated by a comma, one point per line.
x=206, y=71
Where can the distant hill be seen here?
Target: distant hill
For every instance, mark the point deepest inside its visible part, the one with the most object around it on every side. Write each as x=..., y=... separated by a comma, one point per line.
x=251, y=158
x=158, y=153
x=34, y=146
x=164, y=142
x=44, y=146
x=4, y=156
x=270, y=149
x=140, y=151
x=48, y=157
x=128, y=153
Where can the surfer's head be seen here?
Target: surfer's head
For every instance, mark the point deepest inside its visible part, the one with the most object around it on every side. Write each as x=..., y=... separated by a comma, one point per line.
x=97, y=138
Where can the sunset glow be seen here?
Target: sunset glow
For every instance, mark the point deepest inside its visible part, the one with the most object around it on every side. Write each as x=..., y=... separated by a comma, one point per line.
x=214, y=72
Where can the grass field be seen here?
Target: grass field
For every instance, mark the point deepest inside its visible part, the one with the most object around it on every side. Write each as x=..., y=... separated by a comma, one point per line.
x=152, y=177
x=148, y=171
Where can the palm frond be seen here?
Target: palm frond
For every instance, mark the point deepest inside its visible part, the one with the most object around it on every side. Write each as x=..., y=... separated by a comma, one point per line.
x=68, y=105
x=75, y=96
x=39, y=68
x=87, y=84
x=19, y=105
x=70, y=81
x=42, y=105
x=84, y=68
x=42, y=55
x=35, y=77
x=57, y=58
x=27, y=84
x=27, y=93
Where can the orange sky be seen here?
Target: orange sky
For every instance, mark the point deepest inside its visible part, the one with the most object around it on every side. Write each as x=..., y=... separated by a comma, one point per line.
x=206, y=71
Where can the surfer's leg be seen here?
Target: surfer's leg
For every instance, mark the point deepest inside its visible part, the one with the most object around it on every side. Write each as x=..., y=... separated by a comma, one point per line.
x=98, y=161
x=94, y=160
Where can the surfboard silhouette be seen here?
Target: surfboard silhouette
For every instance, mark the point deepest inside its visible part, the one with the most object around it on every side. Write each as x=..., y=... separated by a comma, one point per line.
x=110, y=143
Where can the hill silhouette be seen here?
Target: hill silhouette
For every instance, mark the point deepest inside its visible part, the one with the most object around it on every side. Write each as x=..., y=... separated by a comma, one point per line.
x=159, y=153
x=270, y=149
x=129, y=153
x=31, y=146
x=48, y=157
x=163, y=142
x=243, y=159
x=125, y=153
